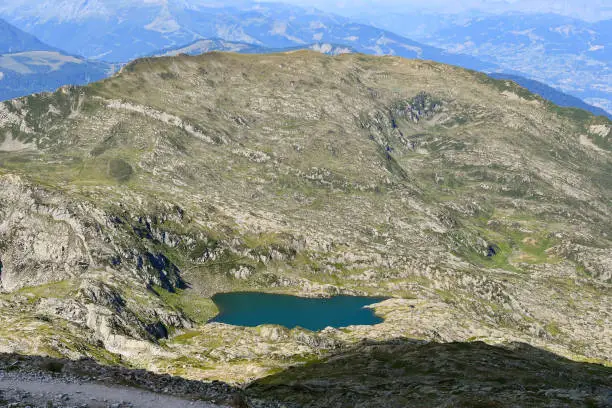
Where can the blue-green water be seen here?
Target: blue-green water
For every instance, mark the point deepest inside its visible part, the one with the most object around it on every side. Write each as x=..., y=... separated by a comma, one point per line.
x=254, y=308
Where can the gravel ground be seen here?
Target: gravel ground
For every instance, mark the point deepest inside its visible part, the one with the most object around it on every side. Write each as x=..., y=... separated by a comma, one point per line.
x=36, y=381
x=40, y=390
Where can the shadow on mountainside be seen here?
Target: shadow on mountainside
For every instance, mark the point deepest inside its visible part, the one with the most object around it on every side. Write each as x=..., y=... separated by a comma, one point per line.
x=406, y=373
x=399, y=373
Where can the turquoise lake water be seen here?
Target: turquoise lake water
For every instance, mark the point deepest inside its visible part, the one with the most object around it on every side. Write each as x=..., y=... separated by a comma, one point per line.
x=254, y=308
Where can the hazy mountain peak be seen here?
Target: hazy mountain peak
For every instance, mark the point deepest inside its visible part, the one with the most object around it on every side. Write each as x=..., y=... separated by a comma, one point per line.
x=120, y=31
x=62, y=10
x=13, y=39
x=27, y=65
x=164, y=22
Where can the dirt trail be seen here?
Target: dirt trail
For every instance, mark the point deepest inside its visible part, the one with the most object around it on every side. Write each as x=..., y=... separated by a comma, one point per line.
x=43, y=391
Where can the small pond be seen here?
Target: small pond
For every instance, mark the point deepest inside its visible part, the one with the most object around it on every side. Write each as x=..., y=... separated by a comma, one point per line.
x=255, y=308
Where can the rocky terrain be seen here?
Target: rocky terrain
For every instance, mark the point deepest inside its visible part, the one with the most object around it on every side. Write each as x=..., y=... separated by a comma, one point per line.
x=44, y=382
x=395, y=373
x=481, y=210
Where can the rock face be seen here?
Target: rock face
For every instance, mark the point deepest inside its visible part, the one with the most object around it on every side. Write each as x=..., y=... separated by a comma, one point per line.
x=42, y=239
x=484, y=216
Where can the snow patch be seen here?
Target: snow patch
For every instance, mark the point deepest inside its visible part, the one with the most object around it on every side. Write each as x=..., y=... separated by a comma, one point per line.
x=461, y=48
x=279, y=28
x=377, y=50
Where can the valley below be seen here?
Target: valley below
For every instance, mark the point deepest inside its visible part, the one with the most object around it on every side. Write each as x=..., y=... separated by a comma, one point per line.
x=476, y=213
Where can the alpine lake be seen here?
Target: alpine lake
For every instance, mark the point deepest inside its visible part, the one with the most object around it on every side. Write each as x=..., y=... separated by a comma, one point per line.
x=254, y=308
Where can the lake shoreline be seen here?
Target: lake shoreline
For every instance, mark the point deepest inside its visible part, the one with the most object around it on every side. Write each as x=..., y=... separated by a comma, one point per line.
x=251, y=309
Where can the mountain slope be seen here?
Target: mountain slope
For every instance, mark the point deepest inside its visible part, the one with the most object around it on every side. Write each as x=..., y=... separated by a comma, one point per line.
x=125, y=205
x=207, y=45
x=30, y=66
x=13, y=40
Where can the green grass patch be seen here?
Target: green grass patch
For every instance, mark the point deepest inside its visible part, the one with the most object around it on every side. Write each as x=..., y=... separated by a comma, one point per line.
x=57, y=290
x=198, y=308
x=185, y=337
x=553, y=329
x=522, y=242
x=261, y=240
x=120, y=170
x=574, y=114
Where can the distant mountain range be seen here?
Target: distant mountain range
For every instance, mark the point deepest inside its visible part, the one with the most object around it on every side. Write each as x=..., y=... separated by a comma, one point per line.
x=571, y=55
x=14, y=40
x=28, y=65
x=203, y=45
x=119, y=31
x=207, y=45
x=554, y=95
